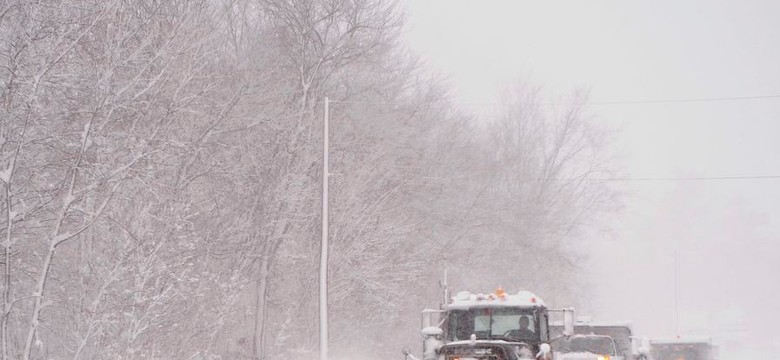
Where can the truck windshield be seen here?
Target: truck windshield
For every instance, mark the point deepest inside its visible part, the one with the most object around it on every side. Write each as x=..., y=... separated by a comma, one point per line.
x=601, y=345
x=493, y=323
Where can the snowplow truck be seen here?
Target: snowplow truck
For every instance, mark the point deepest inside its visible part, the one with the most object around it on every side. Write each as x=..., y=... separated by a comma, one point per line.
x=620, y=332
x=495, y=326
x=587, y=347
x=682, y=349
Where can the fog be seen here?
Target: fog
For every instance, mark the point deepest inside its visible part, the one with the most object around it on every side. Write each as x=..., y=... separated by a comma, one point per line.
x=671, y=78
x=292, y=179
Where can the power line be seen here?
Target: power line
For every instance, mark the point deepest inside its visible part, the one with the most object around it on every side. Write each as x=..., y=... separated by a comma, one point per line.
x=607, y=102
x=692, y=178
x=686, y=100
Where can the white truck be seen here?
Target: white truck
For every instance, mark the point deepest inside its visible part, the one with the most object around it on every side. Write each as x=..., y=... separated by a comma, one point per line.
x=619, y=331
x=494, y=326
x=587, y=347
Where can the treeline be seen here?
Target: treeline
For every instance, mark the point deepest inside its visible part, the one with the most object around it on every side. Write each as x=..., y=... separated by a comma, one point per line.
x=161, y=181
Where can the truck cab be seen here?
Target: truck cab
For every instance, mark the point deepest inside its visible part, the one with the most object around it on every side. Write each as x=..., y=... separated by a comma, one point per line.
x=682, y=349
x=495, y=326
x=619, y=331
x=587, y=347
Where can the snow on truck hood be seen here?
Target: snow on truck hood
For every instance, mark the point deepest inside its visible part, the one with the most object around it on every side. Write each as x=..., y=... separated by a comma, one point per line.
x=465, y=300
x=581, y=356
x=478, y=341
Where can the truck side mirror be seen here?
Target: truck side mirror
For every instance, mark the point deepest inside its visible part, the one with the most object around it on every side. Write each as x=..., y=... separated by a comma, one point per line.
x=568, y=322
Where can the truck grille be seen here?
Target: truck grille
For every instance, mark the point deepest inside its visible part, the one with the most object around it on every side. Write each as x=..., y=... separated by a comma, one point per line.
x=473, y=357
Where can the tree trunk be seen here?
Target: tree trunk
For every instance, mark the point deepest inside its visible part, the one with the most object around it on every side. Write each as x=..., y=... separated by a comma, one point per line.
x=258, y=339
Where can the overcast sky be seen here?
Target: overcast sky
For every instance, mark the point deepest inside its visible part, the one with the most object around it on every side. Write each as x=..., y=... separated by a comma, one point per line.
x=725, y=232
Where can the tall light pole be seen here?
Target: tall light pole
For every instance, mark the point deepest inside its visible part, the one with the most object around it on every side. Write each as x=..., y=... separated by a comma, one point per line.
x=676, y=295
x=324, y=244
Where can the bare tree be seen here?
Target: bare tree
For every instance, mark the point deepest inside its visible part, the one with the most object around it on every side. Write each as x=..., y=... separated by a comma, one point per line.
x=159, y=166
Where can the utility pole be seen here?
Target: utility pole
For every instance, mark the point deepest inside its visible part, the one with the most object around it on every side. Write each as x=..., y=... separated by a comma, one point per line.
x=676, y=297
x=446, y=286
x=324, y=244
